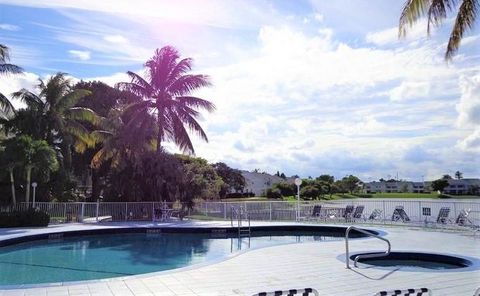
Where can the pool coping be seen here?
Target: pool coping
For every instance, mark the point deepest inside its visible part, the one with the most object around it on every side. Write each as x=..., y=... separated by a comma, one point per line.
x=185, y=229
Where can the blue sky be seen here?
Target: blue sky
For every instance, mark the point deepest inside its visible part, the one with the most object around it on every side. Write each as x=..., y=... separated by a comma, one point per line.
x=303, y=87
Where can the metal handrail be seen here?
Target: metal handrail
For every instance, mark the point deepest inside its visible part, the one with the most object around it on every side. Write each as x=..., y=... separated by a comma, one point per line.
x=347, y=256
x=239, y=216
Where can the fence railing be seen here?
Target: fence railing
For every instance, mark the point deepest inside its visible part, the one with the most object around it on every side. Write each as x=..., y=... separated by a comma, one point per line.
x=418, y=212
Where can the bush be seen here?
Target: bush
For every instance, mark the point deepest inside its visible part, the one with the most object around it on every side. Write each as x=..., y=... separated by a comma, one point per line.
x=362, y=195
x=274, y=193
x=28, y=218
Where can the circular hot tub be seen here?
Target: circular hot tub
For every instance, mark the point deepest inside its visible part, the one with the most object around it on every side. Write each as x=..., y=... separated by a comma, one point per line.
x=415, y=260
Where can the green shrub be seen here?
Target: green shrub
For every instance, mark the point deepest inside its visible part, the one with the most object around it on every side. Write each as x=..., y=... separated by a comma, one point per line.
x=29, y=218
x=274, y=193
x=362, y=195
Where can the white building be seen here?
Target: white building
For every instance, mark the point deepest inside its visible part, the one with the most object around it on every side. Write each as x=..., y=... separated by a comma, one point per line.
x=462, y=186
x=258, y=183
x=394, y=186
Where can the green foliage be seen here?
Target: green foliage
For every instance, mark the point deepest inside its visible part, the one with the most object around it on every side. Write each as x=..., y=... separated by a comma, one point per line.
x=310, y=192
x=232, y=178
x=439, y=185
x=29, y=218
x=286, y=189
x=274, y=193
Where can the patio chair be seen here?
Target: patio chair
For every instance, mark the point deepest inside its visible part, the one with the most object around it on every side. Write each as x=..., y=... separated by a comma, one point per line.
x=316, y=212
x=375, y=215
x=408, y=292
x=400, y=214
x=348, y=212
x=462, y=219
x=443, y=215
x=358, y=213
x=303, y=292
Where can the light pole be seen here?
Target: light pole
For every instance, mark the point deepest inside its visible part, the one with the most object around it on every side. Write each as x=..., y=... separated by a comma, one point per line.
x=298, y=182
x=34, y=186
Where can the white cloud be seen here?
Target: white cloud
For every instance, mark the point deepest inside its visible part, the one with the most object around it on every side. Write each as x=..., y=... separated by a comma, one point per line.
x=83, y=55
x=390, y=35
x=9, y=27
x=117, y=39
x=13, y=83
x=410, y=91
x=319, y=17
x=472, y=142
x=469, y=106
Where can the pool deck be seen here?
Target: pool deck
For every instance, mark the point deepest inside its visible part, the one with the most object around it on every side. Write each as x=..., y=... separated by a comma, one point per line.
x=318, y=265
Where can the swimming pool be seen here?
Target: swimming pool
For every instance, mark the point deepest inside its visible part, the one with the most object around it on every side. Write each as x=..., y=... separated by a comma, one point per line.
x=64, y=258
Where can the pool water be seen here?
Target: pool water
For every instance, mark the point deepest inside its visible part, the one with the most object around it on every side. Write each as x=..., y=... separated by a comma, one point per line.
x=113, y=255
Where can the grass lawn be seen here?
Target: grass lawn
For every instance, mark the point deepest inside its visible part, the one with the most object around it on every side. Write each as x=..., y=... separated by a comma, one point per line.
x=350, y=196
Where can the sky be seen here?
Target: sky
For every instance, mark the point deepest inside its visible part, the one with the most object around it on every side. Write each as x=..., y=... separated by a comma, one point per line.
x=301, y=87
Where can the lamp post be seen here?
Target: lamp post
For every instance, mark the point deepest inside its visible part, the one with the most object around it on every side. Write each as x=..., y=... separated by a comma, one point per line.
x=298, y=182
x=34, y=186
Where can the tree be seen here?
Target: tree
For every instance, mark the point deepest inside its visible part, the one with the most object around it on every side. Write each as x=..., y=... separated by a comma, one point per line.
x=436, y=11
x=31, y=154
x=6, y=68
x=310, y=192
x=351, y=183
x=166, y=92
x=439, y=185
x=6, y=162
x=447, y=177
x=458, y=175
x=54, y=111
x=232, y=178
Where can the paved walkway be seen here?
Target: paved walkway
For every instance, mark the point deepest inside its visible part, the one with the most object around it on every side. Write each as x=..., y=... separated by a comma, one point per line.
x=317, y=265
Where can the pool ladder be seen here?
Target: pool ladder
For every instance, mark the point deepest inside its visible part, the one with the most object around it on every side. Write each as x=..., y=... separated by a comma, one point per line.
x=375, y=255
x=241, y=215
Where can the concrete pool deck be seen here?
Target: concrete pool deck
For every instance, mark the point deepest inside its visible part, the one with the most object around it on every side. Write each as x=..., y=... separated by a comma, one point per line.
x=318, y=265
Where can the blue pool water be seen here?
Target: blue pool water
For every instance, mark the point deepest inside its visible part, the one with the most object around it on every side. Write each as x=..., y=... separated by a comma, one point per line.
x=113, y=255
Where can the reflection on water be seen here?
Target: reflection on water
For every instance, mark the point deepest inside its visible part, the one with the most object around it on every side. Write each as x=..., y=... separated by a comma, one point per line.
x=104, y=256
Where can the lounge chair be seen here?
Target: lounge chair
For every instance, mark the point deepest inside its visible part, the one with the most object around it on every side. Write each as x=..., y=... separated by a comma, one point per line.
x=348, y=212
x=443, y=215
x=477, y=293
x=303, y=292
x=358, y=213
x=375, y=215
x=400, y=214
x=462, y=219
x=316, y=212
x=408, y=292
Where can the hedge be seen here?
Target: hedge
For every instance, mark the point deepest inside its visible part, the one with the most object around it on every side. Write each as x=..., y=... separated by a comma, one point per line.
x=28, y=218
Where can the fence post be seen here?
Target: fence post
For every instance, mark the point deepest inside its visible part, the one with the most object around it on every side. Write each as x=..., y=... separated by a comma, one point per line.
x=153, y=211
x=225, y=210
x=384, y=213
x=206, y=209
x=83, y=212
x=270, y=203
x=65, y=211
x=419, y=211
x=126, y=211
x=96, y=212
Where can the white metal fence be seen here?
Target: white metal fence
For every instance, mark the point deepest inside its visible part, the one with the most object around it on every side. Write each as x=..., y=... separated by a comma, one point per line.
x=418, y=211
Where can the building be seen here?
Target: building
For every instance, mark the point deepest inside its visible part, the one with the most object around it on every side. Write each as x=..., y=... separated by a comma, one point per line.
x=460, y=187
x=394, y=186
x=258, y=183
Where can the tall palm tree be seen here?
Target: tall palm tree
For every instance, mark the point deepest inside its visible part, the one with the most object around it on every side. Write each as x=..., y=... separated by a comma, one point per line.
x=56, y=118
x=436, y=11
x=166, y=91
x=30, y=154
x=5, y=68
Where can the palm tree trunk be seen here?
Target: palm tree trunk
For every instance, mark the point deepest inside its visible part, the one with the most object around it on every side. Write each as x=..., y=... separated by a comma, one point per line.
x=12, y=183
x=27, y=190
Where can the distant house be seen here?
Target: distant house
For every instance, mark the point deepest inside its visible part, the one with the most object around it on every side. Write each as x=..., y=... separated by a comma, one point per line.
x=394, y=186
x=460, y=187
x=258, y=183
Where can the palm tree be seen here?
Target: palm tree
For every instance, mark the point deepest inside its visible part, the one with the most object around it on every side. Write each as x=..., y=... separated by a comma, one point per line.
x=53, y=111
x=5, y=69
x=30, y=154
x=436, y=11
x=166, y=91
